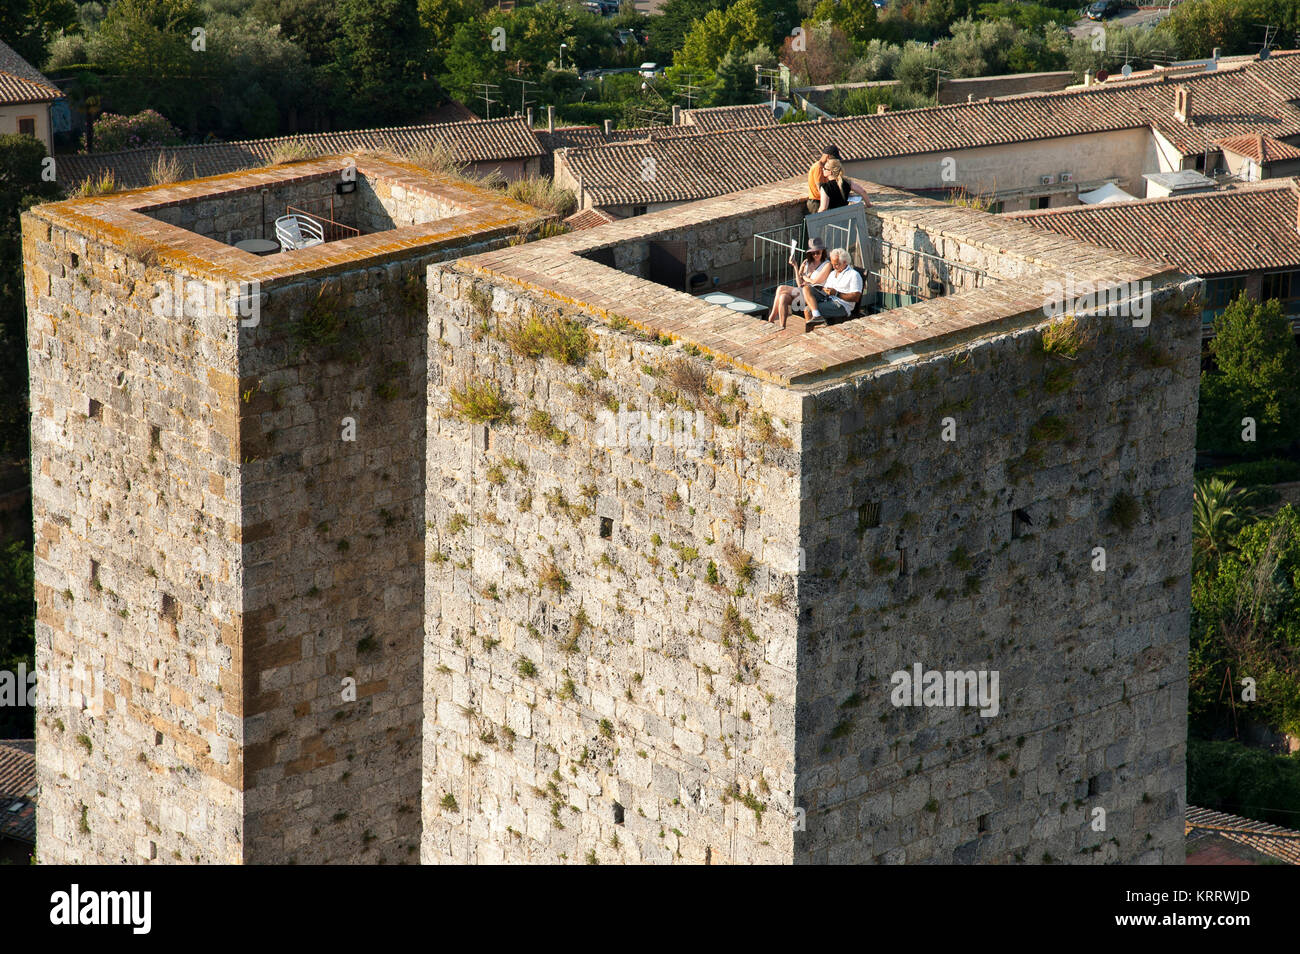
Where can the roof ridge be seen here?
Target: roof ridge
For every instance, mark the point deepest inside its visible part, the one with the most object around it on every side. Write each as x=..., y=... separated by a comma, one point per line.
x=1265, y=185
x=298, y=137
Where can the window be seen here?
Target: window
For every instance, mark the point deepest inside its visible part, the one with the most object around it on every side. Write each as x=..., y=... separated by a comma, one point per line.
x=1285, y=287
x=1043, y=202
x=1219, y=292
x=638, y=210
x=27, y=126
x=996, y=208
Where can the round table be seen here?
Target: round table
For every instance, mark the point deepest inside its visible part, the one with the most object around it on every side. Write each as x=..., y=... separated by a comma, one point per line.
x=258, y=246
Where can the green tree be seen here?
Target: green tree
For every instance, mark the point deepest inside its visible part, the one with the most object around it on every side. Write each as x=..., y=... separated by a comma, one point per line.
x=916, y=70
x=382, y=60
x=29, y=26
x=1246, y=624
x=736, y=85
x=857, y=18
x=1234, y=26
x=1219, y=508
x=143, y=48
x=737, y=30
x=21, y=186
x=676, y=18
x=1256, y=378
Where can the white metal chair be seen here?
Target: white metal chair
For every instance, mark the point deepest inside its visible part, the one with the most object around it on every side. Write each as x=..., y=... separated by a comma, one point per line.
x=298, y=231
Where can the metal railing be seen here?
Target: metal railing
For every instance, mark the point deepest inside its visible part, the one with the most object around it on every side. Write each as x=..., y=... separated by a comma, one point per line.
x=333, y=230
x=772, y=260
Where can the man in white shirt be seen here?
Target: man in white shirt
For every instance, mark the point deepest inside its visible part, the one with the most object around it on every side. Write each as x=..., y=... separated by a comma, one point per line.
x=839, y=294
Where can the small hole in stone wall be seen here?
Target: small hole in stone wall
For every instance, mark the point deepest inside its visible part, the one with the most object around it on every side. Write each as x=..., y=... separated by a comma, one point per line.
x=1094, y=786
x=869, y=516
x=95, y=410
x=1019, y=522
x=94, y=571
x=618, y=814
x=606, y=527
x=76, y=260
x=169, y=608
x=708, y=854
x=984, y=823
x=157, y=738
x=155, y=436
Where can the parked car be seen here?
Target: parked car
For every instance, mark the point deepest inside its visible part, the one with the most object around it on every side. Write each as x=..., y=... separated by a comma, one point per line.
x=651, y=70
x=1103, y=9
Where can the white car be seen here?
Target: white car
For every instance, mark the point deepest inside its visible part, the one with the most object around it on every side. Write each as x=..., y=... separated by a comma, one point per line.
x=651, y=70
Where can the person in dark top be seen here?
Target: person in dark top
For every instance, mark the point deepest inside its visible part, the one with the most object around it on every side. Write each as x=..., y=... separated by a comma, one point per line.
x=836, y=187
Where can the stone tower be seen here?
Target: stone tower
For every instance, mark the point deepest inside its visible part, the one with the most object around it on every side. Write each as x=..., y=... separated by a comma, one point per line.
x=228, y=482
x=681, y=567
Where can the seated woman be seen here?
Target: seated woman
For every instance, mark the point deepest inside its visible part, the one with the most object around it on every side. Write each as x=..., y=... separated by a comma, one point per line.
x=836, y=188
x=812, y=271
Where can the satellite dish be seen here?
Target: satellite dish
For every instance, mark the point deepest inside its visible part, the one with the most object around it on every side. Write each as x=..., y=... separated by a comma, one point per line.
x=1263, y=53
x=1102, y=76
x=1127, y=70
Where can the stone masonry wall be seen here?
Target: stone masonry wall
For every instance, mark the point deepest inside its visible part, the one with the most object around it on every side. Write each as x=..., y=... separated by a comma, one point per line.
x=241, y=213
x=138, y=573
x=334, y=541
x=1093, y=452
x=608, y=675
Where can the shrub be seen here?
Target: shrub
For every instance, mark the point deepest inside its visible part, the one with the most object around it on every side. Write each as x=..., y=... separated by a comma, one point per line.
x=166, y=168
x=148, y=128
x=480, y=402
x=559, y=339
x=1229, y=777
x=541, y=192
x=1063, y=339
x=1271, y=470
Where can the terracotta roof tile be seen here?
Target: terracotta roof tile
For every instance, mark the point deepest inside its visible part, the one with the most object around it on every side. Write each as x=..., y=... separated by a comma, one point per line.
x=730, y=117
x=589, y=219
x=476, y=141
x=17, y=768
x=1207, y=233
x=1257, y=98
x=1258, y=147
x=1271, y=840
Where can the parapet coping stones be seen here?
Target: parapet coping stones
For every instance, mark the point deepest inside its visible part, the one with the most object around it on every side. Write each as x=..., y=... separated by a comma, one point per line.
x=558, y=269
x=121, y=220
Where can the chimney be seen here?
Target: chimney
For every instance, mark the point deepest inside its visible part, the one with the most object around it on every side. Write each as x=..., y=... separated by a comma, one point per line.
x=1087, y=77
x=970, y=97
x=550, y=119
x=881, y=109
x=609, y=126
x=1182, y=103
x=530, y=117
x=1215, y=54
x=677, y=115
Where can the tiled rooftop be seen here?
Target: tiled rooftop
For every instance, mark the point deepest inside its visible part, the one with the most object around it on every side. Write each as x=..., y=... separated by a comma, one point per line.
x=1258, y=97
x=17, y=768
x=476, y=141
x=1260, y=148
x=122, y=217
x=20, y=82
x=1271, y=840
x=555, y=269
x=1207, y=233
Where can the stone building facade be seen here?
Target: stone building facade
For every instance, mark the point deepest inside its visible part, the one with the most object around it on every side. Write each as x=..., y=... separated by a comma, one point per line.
x=614, y=574
x=671, y=635
x=228, y=486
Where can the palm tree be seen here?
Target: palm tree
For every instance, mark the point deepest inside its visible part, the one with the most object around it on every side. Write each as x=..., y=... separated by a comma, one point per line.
x=1219, y=508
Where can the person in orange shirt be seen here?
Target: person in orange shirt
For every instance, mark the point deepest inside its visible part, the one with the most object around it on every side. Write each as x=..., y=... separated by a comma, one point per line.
x=815, y=177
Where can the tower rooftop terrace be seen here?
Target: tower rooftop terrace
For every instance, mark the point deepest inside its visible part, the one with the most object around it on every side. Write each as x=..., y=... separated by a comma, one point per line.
x=396, y=206
x=1020, y=263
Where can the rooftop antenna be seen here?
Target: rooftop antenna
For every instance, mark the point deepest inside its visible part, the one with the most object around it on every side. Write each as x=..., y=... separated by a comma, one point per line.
x=938, y=80
x=524, y=101
x=485, y=92
x=1270, y=34
x=688, y=89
